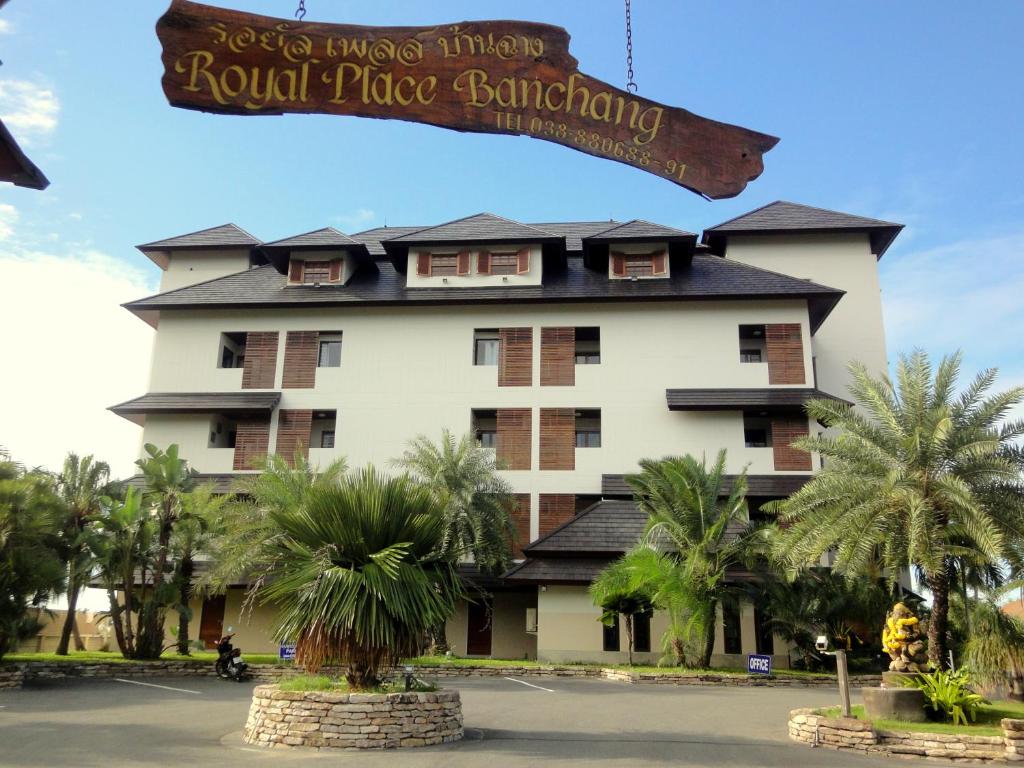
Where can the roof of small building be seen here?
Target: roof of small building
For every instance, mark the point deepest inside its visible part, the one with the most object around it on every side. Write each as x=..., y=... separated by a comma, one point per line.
x=328, y=237
x=609, y=527
x=784, y=217
x=640, y=230
x=757, y=485
x=479, y=227
x=225, y=235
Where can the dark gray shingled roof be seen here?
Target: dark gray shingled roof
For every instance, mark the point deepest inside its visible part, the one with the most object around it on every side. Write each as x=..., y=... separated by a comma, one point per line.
x=639, y=230
x=214, y=237
x=563, y=570
x=574, y=232
x=476, y=228
x=222, y=483
x=708, y=277
x=199, y=402
x=792, y=398
x=783, y=217
x=328, y=237
x=609, y=528
x=757, y=485
x=372, y=238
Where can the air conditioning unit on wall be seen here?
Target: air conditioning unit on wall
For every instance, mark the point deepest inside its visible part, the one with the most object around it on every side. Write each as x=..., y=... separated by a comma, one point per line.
x=531, y=619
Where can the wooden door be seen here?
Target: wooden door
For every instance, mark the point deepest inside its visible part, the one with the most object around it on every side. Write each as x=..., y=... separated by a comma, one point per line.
x=478, y=639
x=211, y=625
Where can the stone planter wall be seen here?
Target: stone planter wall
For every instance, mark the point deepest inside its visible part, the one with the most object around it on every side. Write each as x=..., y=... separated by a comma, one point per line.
x=352, y=720
x=850, y=734
x=11, y=675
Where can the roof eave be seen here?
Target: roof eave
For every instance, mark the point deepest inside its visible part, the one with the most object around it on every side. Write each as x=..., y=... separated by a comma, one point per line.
x=880, y=237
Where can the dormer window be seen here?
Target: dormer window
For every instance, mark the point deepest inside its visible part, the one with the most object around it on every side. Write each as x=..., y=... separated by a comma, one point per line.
x=309, y=272
x=638, y=265
x=504, y=262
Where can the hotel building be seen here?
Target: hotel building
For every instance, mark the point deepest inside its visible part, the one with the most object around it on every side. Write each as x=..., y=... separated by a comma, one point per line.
x=574, y=349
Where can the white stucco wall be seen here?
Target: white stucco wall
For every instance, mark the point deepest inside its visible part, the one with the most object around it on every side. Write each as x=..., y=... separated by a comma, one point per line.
x=191, y=267
x=854, y=330
x=406, y=371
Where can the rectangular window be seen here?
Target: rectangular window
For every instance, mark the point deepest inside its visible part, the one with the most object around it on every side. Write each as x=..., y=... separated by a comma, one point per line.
x=486, y=346
x=752, y=345
x=588, y=346
x=610, y=635
x=323, y=428
x=731, y=625
x=642, y=633
x=588, y=429
x=488, y=438
x=765, y=638
x=444, y=264
x=485, y=427
x=232, y=350
x=316, y=272
x=329, y=355
x=639, y=266
x=222, y=432
x=504, y=263
x=757, y=431
x=327, y=438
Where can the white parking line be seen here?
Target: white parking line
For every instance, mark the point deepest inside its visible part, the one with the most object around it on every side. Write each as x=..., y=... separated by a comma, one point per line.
x=523, y=682
x=153, y=685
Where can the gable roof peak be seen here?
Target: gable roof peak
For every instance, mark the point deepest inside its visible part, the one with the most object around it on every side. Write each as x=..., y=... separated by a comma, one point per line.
x=480, y=227
x=223, y=235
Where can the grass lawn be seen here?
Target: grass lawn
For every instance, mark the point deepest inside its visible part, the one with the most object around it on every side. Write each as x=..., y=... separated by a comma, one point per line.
x=114, y=657
x=305, y=683
x=987, y=724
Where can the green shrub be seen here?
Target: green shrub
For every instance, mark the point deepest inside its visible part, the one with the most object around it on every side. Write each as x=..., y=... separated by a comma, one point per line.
x=948, y=695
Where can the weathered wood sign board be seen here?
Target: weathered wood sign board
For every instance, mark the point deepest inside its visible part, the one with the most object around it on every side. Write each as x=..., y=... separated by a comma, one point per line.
x=510, y=77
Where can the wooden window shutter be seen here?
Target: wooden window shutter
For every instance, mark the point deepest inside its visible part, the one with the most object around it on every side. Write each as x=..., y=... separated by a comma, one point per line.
x=423, y=264
x=295, y=271
x=523, y=265
x=557, y=357
x=515, y=357
x=557, y=438
x=300, y=351
x=659, y=263
x=335, y=274
x=483, y=263
x=555, y=510
x=293, y=431
x=618, y=265
x=462, y=263
x=784, y=432
x=514, y=438
x=252, y=439
x=260, y=368
x=785, y=352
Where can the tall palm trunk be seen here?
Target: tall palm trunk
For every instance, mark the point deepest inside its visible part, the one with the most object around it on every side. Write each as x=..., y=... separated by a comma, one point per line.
x=710, y=620
x=184, y=592
x=439, y=639
x=116, y=619
x=69, y=618
x=938, y=583
x=151, y=633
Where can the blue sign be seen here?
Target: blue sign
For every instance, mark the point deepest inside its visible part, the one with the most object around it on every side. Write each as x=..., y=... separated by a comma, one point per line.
x=286, y=653
x=758, y=664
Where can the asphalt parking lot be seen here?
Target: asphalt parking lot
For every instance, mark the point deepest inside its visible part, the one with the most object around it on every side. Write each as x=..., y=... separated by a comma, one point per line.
x=183, y=721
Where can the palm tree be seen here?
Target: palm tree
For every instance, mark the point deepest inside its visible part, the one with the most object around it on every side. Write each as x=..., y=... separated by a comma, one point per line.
x=198, y=524
x=354, y=572
x=994, y=651
x=917, y=476
x=689, y=543
x=168, y=479
x=120, y=542
x=30, y=564
x=617, y=592
x=246, y=524
x=477, y=503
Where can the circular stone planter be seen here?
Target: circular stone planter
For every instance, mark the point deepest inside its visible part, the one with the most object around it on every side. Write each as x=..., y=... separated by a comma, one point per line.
x=323, y=719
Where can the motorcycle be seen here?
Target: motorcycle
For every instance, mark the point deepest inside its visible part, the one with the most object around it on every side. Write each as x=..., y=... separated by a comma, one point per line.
x=229, y=664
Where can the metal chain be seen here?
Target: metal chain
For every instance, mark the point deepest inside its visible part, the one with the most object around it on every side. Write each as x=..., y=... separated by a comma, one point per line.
x=300, y=12
x=630, y=85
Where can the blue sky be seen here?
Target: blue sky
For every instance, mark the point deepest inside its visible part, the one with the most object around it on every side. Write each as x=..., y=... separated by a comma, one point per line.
x=907, y=111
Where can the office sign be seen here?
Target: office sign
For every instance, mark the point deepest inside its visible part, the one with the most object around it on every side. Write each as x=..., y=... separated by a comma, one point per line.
x=286, y=653
x=759, y=664
x=510, y=77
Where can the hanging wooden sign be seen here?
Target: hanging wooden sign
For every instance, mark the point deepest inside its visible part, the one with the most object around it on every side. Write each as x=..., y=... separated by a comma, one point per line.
x=511, y=77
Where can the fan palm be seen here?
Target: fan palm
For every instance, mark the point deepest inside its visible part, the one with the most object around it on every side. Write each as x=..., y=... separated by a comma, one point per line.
x=917, y=476
x=81, y=484
x=617, y=591
x=689, y=542
x=356, y=575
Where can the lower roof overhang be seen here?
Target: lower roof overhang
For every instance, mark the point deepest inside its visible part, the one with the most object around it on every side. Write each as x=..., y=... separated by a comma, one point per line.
x=616, y=487
x=567, y=570
x=15, y=166
x=770, y=400
x=231, y=403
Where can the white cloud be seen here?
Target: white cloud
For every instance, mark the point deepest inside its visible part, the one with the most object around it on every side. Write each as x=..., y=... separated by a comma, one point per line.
x=356, y=220
x=8, y=217
x=70, y=351
x=29, y=109
x=5, y=27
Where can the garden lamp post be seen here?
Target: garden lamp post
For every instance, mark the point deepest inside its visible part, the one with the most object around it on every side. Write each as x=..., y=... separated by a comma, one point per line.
x=842, y=671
